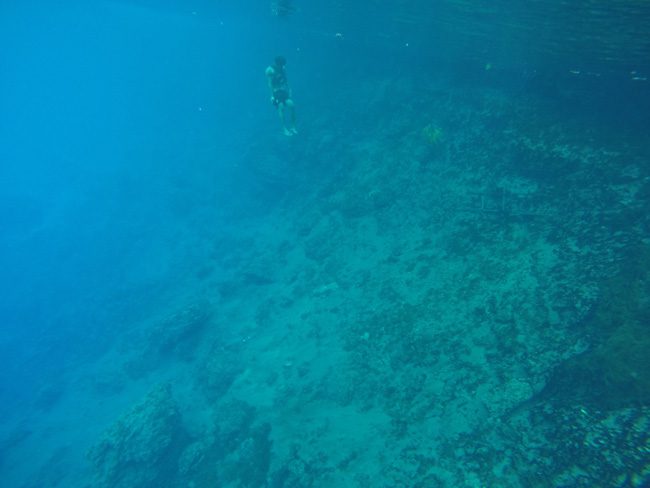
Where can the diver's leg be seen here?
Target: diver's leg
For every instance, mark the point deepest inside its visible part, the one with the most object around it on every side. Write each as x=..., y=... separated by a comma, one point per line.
x=292, y=114
x=281, y=111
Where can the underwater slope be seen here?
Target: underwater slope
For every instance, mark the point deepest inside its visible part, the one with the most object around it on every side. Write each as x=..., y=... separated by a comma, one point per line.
x=429, y=317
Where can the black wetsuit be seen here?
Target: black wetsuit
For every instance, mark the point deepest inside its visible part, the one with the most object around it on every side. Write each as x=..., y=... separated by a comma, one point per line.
x=280, y=86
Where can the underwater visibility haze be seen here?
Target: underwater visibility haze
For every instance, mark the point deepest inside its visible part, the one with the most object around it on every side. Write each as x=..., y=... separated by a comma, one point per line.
x=415, y=255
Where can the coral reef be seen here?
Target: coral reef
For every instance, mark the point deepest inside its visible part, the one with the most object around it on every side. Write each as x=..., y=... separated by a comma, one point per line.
x=616, y=371
x=174, y=335
x=237, y=453
x=432, y=134
x=582, y=447
x=456, y=308
x=142, y=447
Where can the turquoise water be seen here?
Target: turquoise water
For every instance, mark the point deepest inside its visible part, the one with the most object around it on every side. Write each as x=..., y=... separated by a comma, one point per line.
x=442, y=280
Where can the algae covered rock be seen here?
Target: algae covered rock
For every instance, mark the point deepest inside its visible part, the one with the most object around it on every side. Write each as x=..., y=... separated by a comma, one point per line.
x=248, y=465
x=140, y=449
x=615, y=372
x=432, y=134
x=177, y=333
x=173, y=335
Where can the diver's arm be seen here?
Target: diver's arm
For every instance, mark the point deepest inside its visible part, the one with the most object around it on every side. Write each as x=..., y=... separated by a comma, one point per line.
x=269, y=77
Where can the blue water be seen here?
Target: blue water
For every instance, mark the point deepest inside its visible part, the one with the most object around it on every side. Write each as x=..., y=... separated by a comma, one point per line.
x=439, y=281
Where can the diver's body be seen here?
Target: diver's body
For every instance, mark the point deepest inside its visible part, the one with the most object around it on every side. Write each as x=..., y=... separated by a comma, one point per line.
x=281, y=95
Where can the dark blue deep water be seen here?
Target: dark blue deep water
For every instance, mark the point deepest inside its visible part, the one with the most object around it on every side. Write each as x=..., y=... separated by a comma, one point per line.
x=441, y=279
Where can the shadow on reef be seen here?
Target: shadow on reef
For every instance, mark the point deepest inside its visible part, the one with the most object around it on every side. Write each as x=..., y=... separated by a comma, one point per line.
x=615, y=372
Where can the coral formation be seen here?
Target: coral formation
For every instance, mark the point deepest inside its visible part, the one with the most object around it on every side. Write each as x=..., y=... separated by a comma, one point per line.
x=142, y=447
x=617, y=369
x=432, y=134
x=174, y=335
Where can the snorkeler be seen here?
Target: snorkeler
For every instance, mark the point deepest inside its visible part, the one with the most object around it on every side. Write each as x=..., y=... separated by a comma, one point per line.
x=282, y=8
x=281, y=95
